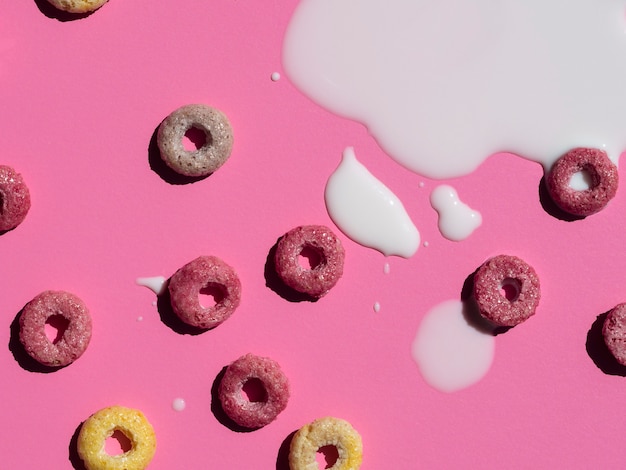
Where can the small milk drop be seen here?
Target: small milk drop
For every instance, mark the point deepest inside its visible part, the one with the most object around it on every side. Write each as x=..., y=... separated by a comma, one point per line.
x=457, y=220
x=386, y=268
x=178, y=404
x=376, y=307
x=275, y=76
x=367, y=211
x=156, y=284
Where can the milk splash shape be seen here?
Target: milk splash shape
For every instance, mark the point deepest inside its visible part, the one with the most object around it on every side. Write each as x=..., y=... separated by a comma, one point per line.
x=442, y=85
x=457, y=220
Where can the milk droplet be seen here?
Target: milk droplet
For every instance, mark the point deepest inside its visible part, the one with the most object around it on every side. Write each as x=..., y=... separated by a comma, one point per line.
x=442, y=85
x=457, y=220
x=451, y=353
x=275, y=76
x=156, y=284
x=376, y=307
x=386, y=268
x=140, y=319
x=178, y=404
x=367, y=211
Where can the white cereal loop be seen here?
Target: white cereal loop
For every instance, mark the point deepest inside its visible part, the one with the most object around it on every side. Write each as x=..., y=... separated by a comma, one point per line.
x=323, y=432
x=217, y=146
x=101, y=425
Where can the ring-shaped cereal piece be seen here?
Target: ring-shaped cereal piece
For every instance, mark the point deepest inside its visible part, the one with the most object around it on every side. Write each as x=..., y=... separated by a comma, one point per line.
x=204, y=273
x=217, y=146
x=14, y=198
x=77, y=6
x=601, y=171
x=317, y=280
x=506, y=290
x=101, y=425
x=273, y=400
x=614, y=332
x=324, y=432
x=75, y=332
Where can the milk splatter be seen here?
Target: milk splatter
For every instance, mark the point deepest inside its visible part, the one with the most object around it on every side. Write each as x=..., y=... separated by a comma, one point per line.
x=457, y=220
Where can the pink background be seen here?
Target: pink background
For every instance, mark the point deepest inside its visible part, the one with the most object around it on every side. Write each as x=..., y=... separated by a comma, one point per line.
x=80, y=101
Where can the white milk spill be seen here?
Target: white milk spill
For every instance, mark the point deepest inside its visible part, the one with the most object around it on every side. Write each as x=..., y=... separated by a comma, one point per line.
x=442, y=85
x=457, y=220
x=450, y=353
x=367, y=211
x=156, y=284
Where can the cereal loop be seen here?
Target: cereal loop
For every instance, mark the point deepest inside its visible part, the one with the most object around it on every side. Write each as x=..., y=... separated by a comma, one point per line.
x=601, y=171
x=212, y=154
x=75, y=332
x=14, y=198
x=317, y=280
x=326, y=432
x=254, y=413
x=101, y=425
x=77, y=6
x=506, y=290
x=614, y=333
x=204, y=273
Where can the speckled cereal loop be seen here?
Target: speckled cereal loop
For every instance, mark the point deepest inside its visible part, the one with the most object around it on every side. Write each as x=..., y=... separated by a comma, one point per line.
x=614, y=332
x=247, y=413
x=323, y=432
x=211, y=155
x=77, y=6
x=318, y=280
x=101, y=425
x=599, y=168
x=205, y=272
x=75, y=335
x=502, y=272
x=14, y=198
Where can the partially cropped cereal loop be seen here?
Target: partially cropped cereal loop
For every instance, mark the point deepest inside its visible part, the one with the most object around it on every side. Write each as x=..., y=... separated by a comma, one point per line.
x=77, y=6
x=602, y=175
x=614, y=332
x=250, y=413
x=324, y=432
x=101, y=425
x=14, y=198
x=212, y=154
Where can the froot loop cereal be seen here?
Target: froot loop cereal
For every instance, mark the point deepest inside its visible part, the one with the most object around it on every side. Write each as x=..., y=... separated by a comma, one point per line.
x=101, y=425
x=214, y=151
x=614, y=332
x=506, y=290
x=603, y=181
x=74, y=332
x=205, y=273
x=241, y=409
x=324, y=432
x=77, y=6
x=327, y=268
x=14, y=198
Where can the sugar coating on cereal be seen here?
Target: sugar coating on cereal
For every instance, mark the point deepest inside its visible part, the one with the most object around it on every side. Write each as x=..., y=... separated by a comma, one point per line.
x=74, y=337
x=14, y=198
x=502, y=274
x=208, y=273
x=318, y=279
x=214, y=151
x=254, y=413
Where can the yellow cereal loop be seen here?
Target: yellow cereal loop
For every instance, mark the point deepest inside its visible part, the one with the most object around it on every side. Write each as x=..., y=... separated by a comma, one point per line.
x=101, y=425
x=322, y=432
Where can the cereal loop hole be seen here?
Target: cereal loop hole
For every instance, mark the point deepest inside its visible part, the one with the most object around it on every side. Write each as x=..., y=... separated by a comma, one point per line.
x=327, y=456
x=55, y=327
x=195, y=138
x=254, y=391
x=583, y=180
x=310, y=258
x=211, y=294
x=117, y=443
x=510, y=289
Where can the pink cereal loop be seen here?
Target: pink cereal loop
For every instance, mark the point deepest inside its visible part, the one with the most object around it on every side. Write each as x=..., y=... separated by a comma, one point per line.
x=14, y=198
x=614, y=332
x=247, y=413
x=204, y=272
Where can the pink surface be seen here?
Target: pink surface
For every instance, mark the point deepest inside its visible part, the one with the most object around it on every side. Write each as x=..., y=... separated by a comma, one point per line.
x=80, y=104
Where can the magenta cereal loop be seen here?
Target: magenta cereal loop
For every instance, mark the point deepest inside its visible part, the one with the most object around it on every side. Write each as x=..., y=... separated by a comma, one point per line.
x=14, y=198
